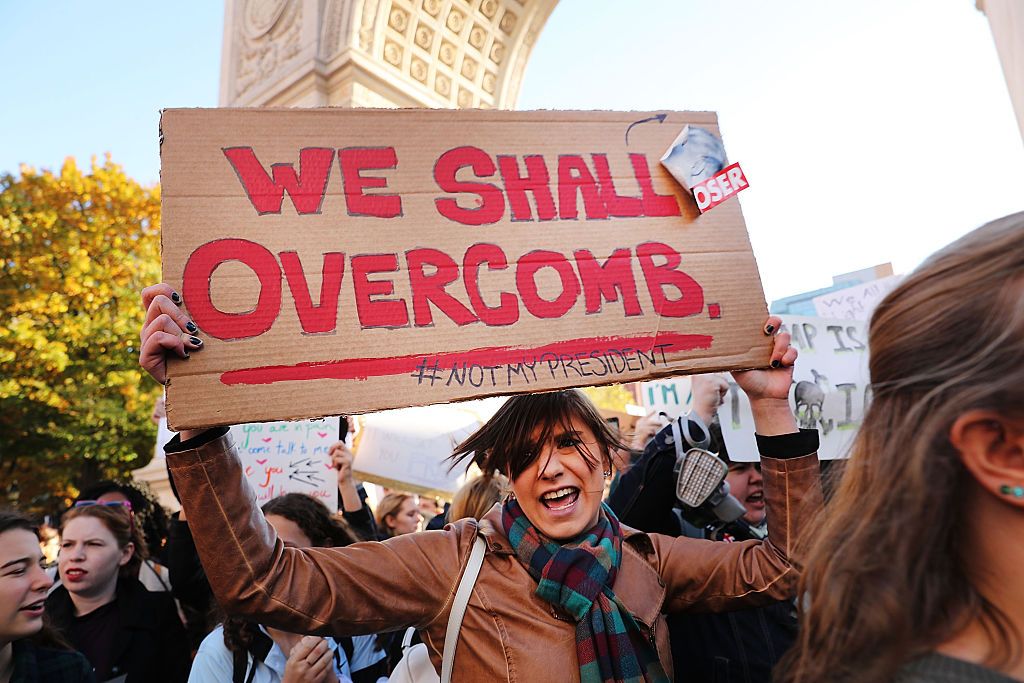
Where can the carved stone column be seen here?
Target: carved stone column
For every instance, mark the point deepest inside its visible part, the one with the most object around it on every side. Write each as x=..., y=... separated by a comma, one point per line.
x=1006, y=19
x=378, y=53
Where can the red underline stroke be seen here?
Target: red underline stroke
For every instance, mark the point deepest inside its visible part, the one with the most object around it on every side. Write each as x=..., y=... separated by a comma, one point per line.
x=364, y=368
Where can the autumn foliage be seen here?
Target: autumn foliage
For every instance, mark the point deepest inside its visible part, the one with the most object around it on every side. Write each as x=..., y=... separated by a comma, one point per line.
x=77, y=247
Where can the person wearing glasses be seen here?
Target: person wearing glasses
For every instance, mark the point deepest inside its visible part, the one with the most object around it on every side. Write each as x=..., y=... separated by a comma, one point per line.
x=150, y=518
x=126, y=632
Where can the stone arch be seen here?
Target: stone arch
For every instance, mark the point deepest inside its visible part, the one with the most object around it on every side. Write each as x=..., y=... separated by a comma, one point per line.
x=434, y=53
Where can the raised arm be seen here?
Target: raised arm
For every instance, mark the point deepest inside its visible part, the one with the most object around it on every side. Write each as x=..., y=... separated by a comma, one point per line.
x=710, y=576
x=363, y=588
x=360, y=589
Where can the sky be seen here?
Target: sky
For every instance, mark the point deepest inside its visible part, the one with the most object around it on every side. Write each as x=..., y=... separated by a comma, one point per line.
x=871, y=131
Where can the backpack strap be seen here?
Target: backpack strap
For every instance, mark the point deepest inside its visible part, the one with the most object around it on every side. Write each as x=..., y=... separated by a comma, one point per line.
x=239, y=666
x=346, y=644
x=258, y=650
x=407, y=638
x=459, y=604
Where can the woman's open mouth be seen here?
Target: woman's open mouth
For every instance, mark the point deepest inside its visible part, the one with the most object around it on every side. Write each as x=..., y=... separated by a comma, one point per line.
x=756, y=499
x=34, y=609
x=560, y=499
x=74, y=574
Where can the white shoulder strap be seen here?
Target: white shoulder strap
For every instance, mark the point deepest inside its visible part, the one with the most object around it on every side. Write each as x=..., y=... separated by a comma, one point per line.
x=465, y=589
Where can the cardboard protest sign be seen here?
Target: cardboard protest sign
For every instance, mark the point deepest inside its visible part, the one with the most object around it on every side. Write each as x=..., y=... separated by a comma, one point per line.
x=830, y=387
x=857, y=302
x=345, y=261
x=671, y=396
x=290, y=457
x=408, y=449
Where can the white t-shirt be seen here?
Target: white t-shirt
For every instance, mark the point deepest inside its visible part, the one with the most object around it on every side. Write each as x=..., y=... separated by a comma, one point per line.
x=214, y=663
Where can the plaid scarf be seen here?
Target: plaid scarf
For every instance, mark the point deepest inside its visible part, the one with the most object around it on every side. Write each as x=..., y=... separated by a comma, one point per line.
x=578, y=576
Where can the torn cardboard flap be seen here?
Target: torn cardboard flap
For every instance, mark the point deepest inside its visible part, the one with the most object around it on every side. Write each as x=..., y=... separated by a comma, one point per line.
x=344, y=261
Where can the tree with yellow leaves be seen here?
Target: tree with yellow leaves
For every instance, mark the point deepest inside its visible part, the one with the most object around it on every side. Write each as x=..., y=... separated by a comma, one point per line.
x=76, y=249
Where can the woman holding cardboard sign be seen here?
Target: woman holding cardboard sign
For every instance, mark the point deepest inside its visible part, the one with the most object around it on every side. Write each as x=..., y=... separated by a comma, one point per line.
x=565, y=592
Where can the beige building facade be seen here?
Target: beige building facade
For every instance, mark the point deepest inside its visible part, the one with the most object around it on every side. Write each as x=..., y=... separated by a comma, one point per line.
x=1006, y=19
x=378, y=53
x=370, y=53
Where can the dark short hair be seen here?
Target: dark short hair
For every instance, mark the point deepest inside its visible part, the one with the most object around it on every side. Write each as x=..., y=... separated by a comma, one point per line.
x=316, y=521
x=10, y=519
x=513, y=438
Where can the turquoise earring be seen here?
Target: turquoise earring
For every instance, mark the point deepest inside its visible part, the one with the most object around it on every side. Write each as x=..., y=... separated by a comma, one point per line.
x=1015, y=491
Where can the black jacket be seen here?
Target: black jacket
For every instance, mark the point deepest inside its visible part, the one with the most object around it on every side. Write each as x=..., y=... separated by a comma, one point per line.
x=150, y=645
x=189, y=585
x=35, y=664
x=728, y=647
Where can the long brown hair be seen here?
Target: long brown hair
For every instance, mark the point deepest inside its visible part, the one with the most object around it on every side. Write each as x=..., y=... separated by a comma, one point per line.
x=885, y=577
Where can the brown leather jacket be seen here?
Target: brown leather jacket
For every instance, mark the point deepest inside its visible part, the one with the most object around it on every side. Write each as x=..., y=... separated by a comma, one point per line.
x=508, y=632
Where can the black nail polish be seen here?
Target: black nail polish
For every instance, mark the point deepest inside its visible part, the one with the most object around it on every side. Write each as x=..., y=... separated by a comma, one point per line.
x=769, y=329
x=175, y=297
x=196, y=341
x=776, y=364
x=191, y=327
x=187, y=355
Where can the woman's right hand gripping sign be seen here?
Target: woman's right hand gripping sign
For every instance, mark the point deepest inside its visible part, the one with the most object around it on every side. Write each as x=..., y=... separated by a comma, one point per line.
x=768, y=390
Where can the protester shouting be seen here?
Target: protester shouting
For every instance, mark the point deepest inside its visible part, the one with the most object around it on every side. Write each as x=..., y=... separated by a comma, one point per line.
x=738, y=646
x=566, y=593
x=103, y=609
x=916, y=575
x=29, y=651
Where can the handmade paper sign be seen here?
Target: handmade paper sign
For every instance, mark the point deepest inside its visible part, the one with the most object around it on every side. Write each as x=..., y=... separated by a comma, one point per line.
x=671, y=396
x=342, y=261
x=408, y=449
x=830, y=387
x=289, y=457
x=855, y=303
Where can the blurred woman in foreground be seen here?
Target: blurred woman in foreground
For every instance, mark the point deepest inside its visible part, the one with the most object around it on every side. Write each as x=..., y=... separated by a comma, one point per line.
x=916, y=574
x=28, y=650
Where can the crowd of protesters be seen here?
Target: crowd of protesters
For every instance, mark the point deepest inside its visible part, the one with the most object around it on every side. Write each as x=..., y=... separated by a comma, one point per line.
x=591, y=571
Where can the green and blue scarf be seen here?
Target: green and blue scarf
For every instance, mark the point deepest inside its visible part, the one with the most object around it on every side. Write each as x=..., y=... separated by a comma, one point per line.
x=578, y=576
